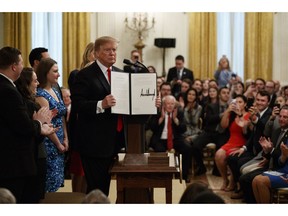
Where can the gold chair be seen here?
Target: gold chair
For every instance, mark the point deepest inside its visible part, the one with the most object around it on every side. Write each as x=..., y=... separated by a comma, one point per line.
x=209, y=155
x=279, y=195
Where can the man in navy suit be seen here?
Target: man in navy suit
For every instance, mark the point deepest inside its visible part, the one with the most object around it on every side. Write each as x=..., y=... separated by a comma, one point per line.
x=177, y=74
x=96, y=127
x=17, y=130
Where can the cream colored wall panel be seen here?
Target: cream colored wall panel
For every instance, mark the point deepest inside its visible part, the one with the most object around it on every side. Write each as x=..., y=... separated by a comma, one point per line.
x=280, y=48
x=167, y=25
x=1, y=30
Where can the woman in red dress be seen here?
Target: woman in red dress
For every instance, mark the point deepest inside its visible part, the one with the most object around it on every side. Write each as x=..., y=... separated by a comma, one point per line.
x=237, y=119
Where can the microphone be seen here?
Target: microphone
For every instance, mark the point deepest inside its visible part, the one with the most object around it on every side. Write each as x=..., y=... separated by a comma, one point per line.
x=128, y=62
x=136, y=64
x=143, y=66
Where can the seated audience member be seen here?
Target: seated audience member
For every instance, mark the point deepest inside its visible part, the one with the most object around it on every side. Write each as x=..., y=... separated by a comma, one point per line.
x=260, y=84
x=284, y=92
x=269, y=156
x=6, y=197
x=237, y=89
x=270, y=88
x=236, y=119
x=168, y=127
x=212, y=98
x=213, y=83
x=259, y=115
x=96, y=196
x=159, y=82
x=192, y=114
x=273, y=122
x=262, y=184
x=198, y=85
x=191, y=191
x=250, y=93
x=151, y=69
x=211, y=133
x=224, y=75
x=177, y=74
x=203, y=97
x=165, y=89
x=185, y=85
x=277, y=87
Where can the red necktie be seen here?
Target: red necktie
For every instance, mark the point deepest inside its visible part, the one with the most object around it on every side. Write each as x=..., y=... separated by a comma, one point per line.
x=109, y=74
x=170, y=134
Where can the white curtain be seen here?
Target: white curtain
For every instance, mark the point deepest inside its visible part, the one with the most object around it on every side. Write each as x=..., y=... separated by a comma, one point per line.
x=47, y=32
x=230, y=39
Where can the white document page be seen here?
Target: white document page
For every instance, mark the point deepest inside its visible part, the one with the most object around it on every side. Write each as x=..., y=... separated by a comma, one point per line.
x=120, y=90
x=143, y=93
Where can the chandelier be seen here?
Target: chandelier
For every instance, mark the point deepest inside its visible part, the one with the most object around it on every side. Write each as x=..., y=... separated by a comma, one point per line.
x=140, y=24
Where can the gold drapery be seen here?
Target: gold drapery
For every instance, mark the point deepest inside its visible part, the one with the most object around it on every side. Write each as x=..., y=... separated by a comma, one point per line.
x=17, y=33
x=258, y=45
x=202, y=44
x=76, y=35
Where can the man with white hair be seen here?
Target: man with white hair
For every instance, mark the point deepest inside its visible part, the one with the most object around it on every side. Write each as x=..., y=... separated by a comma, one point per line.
x=161, y=139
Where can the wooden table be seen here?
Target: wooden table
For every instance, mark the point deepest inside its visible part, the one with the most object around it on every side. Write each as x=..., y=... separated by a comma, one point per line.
x=134, y=171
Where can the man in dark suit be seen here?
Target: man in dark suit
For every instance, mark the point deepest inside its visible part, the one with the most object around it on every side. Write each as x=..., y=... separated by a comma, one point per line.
x=17, y=130
x=159, y=125
x=177, y=74
x=212, y=133
x=260, y=114
x=270, y=88
x=97, y=128
x=135, y=56
x=270, y=154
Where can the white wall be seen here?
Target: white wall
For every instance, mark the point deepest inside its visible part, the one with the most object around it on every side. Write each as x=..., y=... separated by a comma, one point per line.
x=280, y=48
x=168, y=25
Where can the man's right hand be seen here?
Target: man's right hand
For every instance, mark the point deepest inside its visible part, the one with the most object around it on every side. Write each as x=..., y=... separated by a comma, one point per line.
x=108, y=101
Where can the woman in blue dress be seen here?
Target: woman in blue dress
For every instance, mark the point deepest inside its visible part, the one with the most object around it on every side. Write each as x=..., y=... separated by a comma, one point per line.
x=56, y=144
x=262, y=184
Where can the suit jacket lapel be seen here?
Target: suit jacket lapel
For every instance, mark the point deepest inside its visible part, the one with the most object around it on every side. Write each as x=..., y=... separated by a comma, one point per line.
x=102, y=78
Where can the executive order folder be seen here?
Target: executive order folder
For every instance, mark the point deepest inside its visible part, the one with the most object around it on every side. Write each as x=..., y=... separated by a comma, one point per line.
x=135, y=93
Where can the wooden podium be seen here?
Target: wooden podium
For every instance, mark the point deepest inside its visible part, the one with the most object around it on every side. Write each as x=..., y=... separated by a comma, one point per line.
x=142, y=92
x=138, y=174
x=135, y=136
